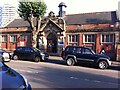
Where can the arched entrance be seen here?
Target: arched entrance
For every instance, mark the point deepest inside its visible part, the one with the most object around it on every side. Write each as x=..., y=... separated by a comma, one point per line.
x=52, y=43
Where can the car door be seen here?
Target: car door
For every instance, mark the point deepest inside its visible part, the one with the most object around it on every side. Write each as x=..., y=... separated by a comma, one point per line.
x=20, y=52
x=78, y=53
x=87, y=55
x=29, y=53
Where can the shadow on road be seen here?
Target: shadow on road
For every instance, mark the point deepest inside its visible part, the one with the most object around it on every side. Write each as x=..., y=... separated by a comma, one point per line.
x=62, y=62
x=61, y=78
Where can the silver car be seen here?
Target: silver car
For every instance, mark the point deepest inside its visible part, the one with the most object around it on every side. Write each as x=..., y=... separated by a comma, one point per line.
x=5, y=55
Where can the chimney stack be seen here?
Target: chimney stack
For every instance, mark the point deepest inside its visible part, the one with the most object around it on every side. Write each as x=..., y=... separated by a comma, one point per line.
x=62, y=12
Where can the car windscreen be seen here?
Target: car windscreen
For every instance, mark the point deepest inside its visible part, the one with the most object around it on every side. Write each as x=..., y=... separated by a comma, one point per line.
x=36, y=50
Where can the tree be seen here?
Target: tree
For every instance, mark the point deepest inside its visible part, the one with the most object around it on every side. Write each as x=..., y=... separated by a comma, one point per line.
x=33, y=13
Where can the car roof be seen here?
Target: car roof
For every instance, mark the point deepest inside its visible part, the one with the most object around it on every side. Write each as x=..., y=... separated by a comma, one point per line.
x=77, y=46
x=22, y=46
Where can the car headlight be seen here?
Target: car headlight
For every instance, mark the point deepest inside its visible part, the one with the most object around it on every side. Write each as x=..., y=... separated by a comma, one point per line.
x=42, y=54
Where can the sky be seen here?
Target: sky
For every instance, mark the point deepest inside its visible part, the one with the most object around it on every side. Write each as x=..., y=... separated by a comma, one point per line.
x=76, y=6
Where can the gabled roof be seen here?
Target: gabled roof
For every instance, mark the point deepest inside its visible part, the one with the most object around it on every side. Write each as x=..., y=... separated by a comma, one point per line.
x=18, y=23
x=77, y=19
x=22, y=23
x=91, y=18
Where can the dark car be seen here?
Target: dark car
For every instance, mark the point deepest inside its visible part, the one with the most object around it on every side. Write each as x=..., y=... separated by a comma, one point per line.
x=74, y=54
x=29, y=53
x=11, y=80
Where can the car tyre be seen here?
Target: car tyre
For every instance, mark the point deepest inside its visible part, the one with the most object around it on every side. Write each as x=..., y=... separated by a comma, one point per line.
x=15, y=57
x=37, y=59
x=102, y=65
x=70, y=62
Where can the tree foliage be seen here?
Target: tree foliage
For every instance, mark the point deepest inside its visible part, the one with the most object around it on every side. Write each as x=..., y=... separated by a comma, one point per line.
x=25, y=9
x=30, y=11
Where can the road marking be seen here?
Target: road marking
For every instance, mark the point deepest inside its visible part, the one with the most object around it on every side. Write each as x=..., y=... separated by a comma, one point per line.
x=73, y=77
x=97, y=81
x=25, y=71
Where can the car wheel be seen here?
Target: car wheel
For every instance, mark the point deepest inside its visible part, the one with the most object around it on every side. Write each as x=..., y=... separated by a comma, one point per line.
x=15, y=57
x=37, y=59
x=70, y=62
x=102, y=65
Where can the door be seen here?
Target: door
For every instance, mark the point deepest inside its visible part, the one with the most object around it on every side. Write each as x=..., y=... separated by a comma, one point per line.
x=49, y=45
x=29, y=53
x=87, y=55
x=52, y=43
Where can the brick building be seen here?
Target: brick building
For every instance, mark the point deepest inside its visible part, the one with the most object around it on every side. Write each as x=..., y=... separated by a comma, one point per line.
x=18, y=33
x=94, y=30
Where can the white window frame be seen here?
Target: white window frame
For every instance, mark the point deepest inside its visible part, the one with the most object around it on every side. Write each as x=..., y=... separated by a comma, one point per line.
x=24, y=37
x=70, y=38
x=109, y=38
x=14, y=38
x=91, y=37
x=4, y=38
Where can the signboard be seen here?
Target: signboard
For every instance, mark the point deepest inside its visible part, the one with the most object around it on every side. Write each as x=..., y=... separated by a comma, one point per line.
x=61, y=43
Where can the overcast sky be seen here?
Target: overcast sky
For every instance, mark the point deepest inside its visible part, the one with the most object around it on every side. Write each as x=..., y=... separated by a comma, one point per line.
x=76, y=6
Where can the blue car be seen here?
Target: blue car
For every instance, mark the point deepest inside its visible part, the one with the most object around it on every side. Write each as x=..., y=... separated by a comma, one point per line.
x=12, y=80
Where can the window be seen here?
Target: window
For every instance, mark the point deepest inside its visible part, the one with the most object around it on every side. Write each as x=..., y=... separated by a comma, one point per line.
x=13, y=38
x=4, y=38
x=87, y=51
x=89, y=38
x=23, y=37
x=73, y=38
x=107, y=38
x=78, y=50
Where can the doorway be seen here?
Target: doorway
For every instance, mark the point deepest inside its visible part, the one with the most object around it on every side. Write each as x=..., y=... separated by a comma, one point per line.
x=52, y=43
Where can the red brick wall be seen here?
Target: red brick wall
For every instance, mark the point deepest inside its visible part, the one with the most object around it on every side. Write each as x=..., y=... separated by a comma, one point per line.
x=98, y=45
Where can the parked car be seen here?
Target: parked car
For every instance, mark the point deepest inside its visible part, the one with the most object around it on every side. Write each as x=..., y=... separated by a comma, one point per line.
x=12, y=80
x=74, y=54
x=29, y=53
x=6, y=55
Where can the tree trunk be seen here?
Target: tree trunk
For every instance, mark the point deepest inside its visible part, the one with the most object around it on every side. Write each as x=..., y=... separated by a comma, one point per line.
x=36, y=29
x=34, y=38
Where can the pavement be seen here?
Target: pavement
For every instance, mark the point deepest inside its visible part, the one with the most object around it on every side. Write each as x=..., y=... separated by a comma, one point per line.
x=116, y=63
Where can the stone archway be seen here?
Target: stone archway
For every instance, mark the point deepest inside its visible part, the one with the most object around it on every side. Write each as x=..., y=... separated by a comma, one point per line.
x=52, y=43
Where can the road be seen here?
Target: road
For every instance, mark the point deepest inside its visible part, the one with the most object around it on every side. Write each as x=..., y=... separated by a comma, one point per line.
x=54, y=73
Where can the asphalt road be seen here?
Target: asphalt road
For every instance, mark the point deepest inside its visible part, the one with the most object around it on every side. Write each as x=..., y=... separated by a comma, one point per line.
x=54, y=73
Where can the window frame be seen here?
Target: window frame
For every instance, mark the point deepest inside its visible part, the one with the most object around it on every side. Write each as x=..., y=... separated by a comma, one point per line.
x=71, y=36
x=107, y=38
x=23, y=37
x=14, y=40
x=86, y=39
x=4, y=39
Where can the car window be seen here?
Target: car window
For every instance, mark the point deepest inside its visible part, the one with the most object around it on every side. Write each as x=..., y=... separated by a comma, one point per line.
x=87, y=51
x=70, y=49
x=20, y=49
x=78, y=50
x=36, y=50
x=27, y=49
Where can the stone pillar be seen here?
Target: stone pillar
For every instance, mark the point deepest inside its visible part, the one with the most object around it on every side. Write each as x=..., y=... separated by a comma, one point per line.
x=117, y=45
